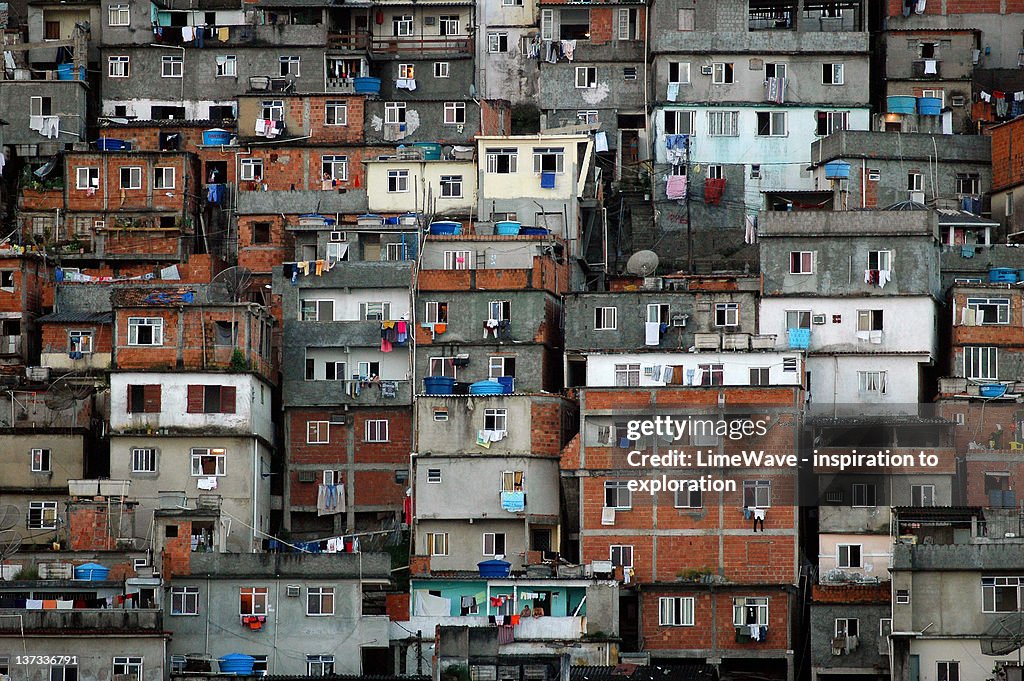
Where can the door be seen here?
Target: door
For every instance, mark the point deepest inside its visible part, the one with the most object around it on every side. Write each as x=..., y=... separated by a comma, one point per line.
x=915, y=668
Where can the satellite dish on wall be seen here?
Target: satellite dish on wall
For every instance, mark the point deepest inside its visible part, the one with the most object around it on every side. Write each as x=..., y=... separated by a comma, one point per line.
x=642, y=263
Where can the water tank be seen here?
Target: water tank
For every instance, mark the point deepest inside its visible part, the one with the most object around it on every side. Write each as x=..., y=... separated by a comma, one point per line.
x=216, y=137
x=438, y=385
x=364, y=85
x=92, y=572
x=237, y=663
x=902, y=104
x=494, y=568
x=445, y=227
x=837, y=170
x=486, y=388
x=431, y=150
x=1002, y=275
x=929, y=106
x=507, y=228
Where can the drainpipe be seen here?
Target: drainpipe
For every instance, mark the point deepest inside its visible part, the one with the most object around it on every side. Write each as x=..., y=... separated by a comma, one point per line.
x=255, y=491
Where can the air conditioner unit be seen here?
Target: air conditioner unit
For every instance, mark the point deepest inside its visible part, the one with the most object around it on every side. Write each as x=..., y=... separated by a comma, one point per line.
x=307, y=476
x=607, y=516
x=705, y=70
x=99, y=224
x=338, y=419
x=293, y=591
x=679, y=319
x=339, y=236
x=430, y=21
x=957, y=100
x=818, y=319
x=917, y=197
x=874, y=176
x=40, y=374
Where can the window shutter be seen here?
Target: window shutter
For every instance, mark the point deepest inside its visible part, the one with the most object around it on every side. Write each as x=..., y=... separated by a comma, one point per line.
x=130, y=409
x=151, y=399
x=227, y=399
x=195, y=399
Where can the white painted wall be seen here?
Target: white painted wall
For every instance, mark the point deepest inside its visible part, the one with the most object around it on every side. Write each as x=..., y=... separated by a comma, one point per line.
x=506, y=255
x=140, y=108
x=252, y=403
x=346, y=303
x=835, y=380
x=737, y=365
x=973, y=665
x=876, y=550
x=424, y=178
x=525, y=182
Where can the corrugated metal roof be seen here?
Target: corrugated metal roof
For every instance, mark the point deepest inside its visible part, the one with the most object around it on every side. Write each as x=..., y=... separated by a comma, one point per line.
x=78, y=317
x=632, y=672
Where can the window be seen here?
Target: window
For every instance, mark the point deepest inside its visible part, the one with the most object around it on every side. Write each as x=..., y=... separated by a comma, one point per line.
x=394, y=113
x=798, y=319
x=760, y=376
x=119, y=15
x=376, y=430
x=864, y=494
x=406, y=71
x=801, y=262
x=774, y=70
x=848, y=555
x=1000, y=594
x=458, y=260
x=171, y=66
x=131, y=177
x=494, y=544
x=750, y=610
x=657, y=312
x=832, y=74
x=757, y=493
x=627, y=375
x=208, y=461
x=880, y=260
x=42, y=515
x=495, y=419
x=627, y=26
x=118, y=66
x=163, y=178
x=80, y=341
x=145, y=331
x=398, y=181
x=716, y=172
x=437, y=543
x=922, y=495
x=723, y=123
x=711, y=374
x=289, y=66
x=606, y=318
x=981, y=363
x=316, y=310
x=448, y=24
x=501, y=310
x=335, y=112
x=210, y=399
x=968, y=183
x=451, y=186
x=272, y=109
x=832, y=121
x=586, y=76
x=497, y=41
x=869, y=320
x=131, y=666
x=947, y=671
x=7, y=283
x=318, y=432
x=227, y=66
x=990, y=310
x=727, y=314
x=574, y=24
x=441, y=69
x=722, y=73
x=319, y=601
x=502, y=161
x=454, y=113
x=41, y=461
x=334, y=167
x=679, y=72
x=397, y=251
x=64, y=673
x=319, y=665
x=689, y=498
x=548, y=160
x=40, y=106
x=617, y=495
x=685, y=19
x=902, y=596
x=847, y=626
x=143, y=399
x=629, y=73
x=87, y=178
x=252, y=169
x=252, y=600
x=547, y=22
x=621, y=555
x=401, y=25
x=501, y=365
x=915, y=181
x=143, y=460
x=588, y=117
x=184, y=600
x=434, y=475
x=435, y=312
x=675, y=611
x=872, y=382
x=771, y=123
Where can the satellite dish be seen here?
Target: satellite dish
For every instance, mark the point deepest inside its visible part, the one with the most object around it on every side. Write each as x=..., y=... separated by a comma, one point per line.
x=1004, y=636
x=229, y=286
x=642, y=263
x=64, y=393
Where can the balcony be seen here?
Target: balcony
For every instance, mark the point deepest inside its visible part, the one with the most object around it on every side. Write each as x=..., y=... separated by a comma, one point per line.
x=353, y=42
x=84, y=619
x=383, y=393
x=1002, y=554
x=534, y=628
x=395, y=47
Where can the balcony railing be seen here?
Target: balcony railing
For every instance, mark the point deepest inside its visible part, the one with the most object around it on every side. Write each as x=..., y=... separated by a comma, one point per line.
x=401, y=46
x=347, y=41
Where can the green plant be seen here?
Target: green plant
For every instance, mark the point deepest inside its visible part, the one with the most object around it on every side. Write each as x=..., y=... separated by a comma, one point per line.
x=238, y=361
x=29, y=572
x=455, y=672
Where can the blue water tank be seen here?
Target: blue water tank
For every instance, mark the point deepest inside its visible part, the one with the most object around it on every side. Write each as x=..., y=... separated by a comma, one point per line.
x=438, y=385
x=67, y=72
x=929, y=106
x=111, y=144
x=486, y=388
x=92, y=572
x=901, y=104
x=445, y=227
x=1002, y=275
x=431, y=150
x=237, y=663
x=216, y=137
x=364, y=85
x=507, y=228
x=837, y=170
x=534, y=231
x=494, y=568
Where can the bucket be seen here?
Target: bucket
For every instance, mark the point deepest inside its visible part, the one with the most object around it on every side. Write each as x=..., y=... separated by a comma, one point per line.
x=438, y=385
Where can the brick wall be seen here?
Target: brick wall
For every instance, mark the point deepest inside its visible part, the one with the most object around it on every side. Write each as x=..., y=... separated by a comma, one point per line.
x=177, y=553
x=300, y=168
x=713, y=613
x=55, y=336
x=1007, y=154
x=263, y=257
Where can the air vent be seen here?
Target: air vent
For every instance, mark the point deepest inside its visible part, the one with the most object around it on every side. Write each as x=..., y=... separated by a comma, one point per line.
x=339, y=419
x=818, y=319
x=293, y=590
x=705, y=70
x=307, y=476
x=339, y=236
